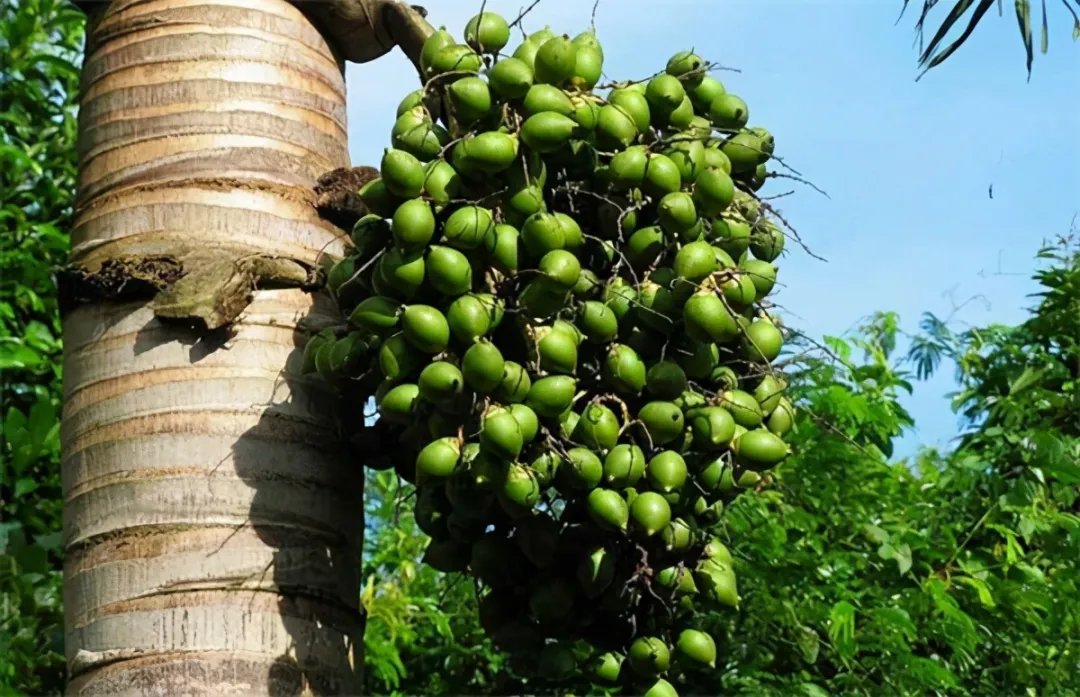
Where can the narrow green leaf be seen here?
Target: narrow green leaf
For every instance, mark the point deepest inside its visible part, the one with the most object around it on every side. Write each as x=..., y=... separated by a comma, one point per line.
x=842, y=628
x=1029, y=377
x=981, y=589
x=1045, y=44
x=980, y=12
x=1023, y=19
x=954, y=15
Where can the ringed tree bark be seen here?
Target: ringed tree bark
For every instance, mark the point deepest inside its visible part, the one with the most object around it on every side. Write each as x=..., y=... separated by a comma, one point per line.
x=213, y=520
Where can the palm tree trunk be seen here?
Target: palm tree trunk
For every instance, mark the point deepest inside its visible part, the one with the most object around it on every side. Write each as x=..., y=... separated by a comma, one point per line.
x=212, y=525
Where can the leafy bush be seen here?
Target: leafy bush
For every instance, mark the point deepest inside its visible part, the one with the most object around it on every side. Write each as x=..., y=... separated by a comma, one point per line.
x=40, y=41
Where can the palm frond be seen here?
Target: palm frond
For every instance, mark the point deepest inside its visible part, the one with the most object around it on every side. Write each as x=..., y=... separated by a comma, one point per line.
x=931, y=54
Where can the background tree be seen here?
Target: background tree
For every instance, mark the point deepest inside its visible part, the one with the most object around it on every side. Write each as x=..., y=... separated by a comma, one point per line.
x=40, y=41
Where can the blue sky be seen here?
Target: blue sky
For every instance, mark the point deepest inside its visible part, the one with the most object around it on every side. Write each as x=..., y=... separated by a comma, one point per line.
x=909, y=225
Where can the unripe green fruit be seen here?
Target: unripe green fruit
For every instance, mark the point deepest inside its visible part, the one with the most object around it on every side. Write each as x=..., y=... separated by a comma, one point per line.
x=447, y=556
x=402, y=272
x=619, y=296
x=598, y=322
x=666, y=380
x=555, y=60
x=717, y=582
x=782, y=418
x=537, y=536
x=700, y=360
x=695, y=649
x=608, y=510
x=515, y=384
x=597, y=570
x=712, y=428
x=482, y=367
x=469, y=98
x=469, y=318
x=510, y=78
x=556, y=662
x=743, y=407
x=490, y=152
x=666, y=471
x=714, y=191
x=500, y=435
x=762, y=341
x=438, y=459
x=706, y=92
x=746, y=151
x=759, y=448
x=624, y=466
x=402, y=173
x=448, y=271
x=399, y=403
x=605, y=668
x=425, y=328
x=487, y=32
x=520, y=488
x=552, y=602
x=689, y=157
x=398, y=358
x=526, y=52
x=661, y=175
x=527, y=421
x=547, y=131
x=657, y=308
x=542, y=233
x=708, y=319
x=628, y=166
x=624, y=370
x=732, y=235
x=649, y=656
x=766, y=241
x=440, y=381
x=541, y=98
x=456, y=58
x=728, y=112
x=414, y=224
x=682, y=116
x=557, y=351
x=677, y=536
x=688, y=67
x=505, y=255
x=769, y=392
x=438, y=39
x=676, y=212
x=695, y=261
x=633, y=102
x=615, y=128
x=664, y=94
x=551, y=396
x=441, y=182
x=376, y=314
x=561, y=267
x=378, y=199
x=650, y=513
x=410, y=101
x=598, y=427
x=469, y=227
x=588, y=66
x=581, y=471
x=645, y=246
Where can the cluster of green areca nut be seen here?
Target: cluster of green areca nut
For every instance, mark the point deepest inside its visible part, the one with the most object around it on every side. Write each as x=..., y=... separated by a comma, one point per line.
x=557, y=302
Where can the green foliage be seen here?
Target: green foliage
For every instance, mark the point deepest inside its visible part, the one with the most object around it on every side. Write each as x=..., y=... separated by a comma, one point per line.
x=969, y=14
x=40, y=41
x=422, y=635
x=955, y=573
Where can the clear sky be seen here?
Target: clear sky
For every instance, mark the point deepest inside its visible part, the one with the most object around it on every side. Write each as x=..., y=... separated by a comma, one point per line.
x=909, y=225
